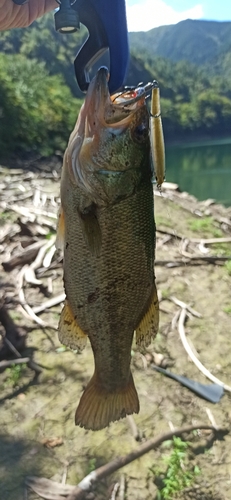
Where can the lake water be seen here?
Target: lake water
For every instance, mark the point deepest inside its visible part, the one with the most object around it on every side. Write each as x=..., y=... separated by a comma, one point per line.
x=202, y=169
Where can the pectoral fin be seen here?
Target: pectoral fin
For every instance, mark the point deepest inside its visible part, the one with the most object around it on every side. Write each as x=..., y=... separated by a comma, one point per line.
x=70, y=333
x=91, y=228
x=60, y=230
x=148, y=327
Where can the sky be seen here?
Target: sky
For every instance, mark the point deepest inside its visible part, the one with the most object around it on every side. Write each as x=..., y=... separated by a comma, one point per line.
x=143, y=15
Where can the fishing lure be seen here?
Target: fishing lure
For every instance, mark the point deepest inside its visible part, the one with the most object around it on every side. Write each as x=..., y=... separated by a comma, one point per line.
x=129, y=96
x=157, y=137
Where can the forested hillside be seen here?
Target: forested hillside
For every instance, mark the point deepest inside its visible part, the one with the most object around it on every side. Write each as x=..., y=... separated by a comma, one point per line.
x=198, y=42
x=39, y=97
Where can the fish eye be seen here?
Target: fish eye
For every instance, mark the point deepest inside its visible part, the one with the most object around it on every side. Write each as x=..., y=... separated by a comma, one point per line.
x=140, y=132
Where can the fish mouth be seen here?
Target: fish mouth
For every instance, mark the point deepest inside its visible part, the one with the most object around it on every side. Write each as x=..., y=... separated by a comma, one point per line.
x=102, y=119
x=116, y=111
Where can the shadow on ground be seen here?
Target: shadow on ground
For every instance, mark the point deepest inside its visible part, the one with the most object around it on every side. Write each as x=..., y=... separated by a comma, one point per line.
x=19, y=458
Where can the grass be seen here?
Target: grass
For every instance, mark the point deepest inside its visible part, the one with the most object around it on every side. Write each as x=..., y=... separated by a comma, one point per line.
x=179, y=474
x=14, y=373
x=5, y=217
x=221, y=249
x=163, y=221
x=227, y=266
x=205, y=225
x=15, y=315
x=91, y=465
x=227, y=309
x=50, y=235
x=166, y=292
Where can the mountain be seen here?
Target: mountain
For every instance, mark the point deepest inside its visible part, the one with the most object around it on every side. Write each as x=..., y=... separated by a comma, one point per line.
x=198, y=42
x=191, y=61
x=206, y=44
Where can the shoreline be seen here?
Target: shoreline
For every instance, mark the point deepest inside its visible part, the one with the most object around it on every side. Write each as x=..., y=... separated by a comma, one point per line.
x=197, y=142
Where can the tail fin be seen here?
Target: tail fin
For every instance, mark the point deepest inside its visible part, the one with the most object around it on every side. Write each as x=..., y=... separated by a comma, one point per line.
x=97, y=408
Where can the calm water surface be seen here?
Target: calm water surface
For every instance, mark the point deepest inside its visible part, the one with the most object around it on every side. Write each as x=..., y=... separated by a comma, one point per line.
x=202, y=169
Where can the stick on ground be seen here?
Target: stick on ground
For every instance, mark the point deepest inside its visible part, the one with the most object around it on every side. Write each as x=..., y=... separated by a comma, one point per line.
x=86, y=484
x=191, y=354
x=51, y=490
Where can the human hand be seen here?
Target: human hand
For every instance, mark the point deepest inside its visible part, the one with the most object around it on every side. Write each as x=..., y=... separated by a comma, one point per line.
x=19, y=16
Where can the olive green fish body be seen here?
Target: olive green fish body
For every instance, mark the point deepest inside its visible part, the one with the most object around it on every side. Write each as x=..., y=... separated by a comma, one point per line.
x=109, y=240
x=108, y=293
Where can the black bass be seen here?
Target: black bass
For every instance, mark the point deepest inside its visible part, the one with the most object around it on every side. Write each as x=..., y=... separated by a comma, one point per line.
x=107, y=231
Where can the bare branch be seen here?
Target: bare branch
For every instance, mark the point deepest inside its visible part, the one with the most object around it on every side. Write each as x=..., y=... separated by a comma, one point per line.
x=211, y=241
x=195, y=260
x=49, y=303
x=134, y=429
x=86, y=484
x=24, y=257
x=26, y=306
x=5, y=364
x=183, y=305
x=51, y=490
x=192, y=355
x=30, y=363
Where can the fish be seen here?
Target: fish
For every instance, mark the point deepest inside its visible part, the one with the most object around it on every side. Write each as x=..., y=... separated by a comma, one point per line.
x=106, y=229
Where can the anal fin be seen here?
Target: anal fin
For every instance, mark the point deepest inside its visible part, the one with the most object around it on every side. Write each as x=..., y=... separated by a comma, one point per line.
x=148, y=326
x=97, y=407
x=70, y=333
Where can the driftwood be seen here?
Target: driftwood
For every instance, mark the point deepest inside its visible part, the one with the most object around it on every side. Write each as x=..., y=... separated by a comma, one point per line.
x=29, y=212
x=211, y=241
x=12, y=362
x=25, y=256
x=195, y=260
x=191, y=354
x=16, y=335
x=114, y=491
x=134, y=429
x=50, y=303
x=172, y=234
x=183, y=305
x=32, y=205
x=30, y=363
x=25, y=305
x=50, y=490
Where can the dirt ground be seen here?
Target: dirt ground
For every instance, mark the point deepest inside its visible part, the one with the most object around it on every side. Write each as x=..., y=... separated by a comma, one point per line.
x=37, y=432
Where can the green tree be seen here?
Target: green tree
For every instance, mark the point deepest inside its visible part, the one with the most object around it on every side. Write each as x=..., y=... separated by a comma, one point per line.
x=37, y=111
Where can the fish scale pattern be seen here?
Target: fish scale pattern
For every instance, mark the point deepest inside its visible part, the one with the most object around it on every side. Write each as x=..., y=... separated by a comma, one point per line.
x=110, y=292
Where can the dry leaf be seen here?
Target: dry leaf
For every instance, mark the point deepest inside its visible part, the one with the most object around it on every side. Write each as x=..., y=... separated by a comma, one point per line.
x=52, y=442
